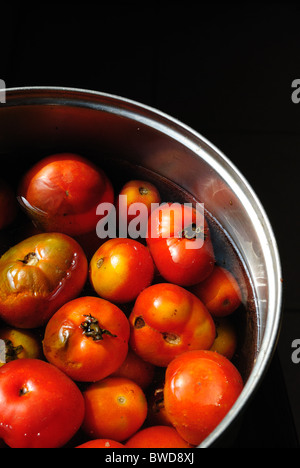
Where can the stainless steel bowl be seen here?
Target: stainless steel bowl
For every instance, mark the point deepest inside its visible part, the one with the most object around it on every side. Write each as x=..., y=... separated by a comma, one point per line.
x=37, y=121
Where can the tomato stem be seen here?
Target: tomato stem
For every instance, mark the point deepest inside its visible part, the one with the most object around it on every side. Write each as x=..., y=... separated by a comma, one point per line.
x=143, y=190
x=92, y=329
x=30, y=259
x=23, y=391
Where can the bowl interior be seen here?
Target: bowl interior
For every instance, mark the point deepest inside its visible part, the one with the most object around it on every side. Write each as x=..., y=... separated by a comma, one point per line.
x=129, y=141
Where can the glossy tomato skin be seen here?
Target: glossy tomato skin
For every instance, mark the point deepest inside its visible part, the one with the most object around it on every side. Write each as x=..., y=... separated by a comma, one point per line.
x=40, y=407
x=37, y=276
x=136, y=191
x=168, y=320
x=179, y=257
x=157, y=437
x=200, y=388
x=87, y=338
x=116, y=408
x=62, y=191
x=101, y=443
x=19, y=344
x=220, y=292
x=120, y=269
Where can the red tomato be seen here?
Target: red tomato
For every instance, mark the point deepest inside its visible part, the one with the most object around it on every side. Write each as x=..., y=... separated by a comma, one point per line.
x=157, y=437
x=121, y=269
x=101, y=443
x=115, y=409
x=136, y=369
x=61, y=194
x=8, y=205
x=200, y=388
x=87, y=338
x=179, y=256
x=37, y=276
x=220, y=292
x=166, y=321
x=40, y=407
x=226, y=337
x=19, y=344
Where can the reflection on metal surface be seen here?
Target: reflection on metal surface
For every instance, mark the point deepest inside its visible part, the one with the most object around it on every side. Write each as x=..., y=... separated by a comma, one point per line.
x=42, y=119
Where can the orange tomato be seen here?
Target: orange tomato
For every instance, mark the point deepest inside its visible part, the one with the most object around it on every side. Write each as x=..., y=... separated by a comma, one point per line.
x=121, y=269
x=166, y=321
x=61, y=193
x=136, y=369
x=220, y=292
x=101, y=443
x=137, y=191
x=115, y=409
x=157, y=437
x=226, y=340
x=87, y=338
x=37, y=276
x=200, y=388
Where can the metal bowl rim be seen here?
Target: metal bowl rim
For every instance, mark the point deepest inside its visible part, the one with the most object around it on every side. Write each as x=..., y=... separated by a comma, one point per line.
x=272, y=329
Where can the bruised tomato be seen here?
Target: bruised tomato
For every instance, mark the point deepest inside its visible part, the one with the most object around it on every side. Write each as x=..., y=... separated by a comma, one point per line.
x=116, y=408
x=200, y=388
x=61, y=193
x=135, y=202
x=121, y=269
x=87, y=338
x=157, y=437
x=166, y=321
x=37, y=276
x=220, y=292
x=179, y=241
x=101, y=443
x=40, y=407
x=19, y=344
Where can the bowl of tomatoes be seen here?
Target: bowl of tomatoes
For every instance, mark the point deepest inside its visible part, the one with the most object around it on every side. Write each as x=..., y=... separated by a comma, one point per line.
x=140, y=280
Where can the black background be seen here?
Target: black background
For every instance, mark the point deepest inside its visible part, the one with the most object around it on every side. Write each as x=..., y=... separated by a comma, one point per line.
x=226, y=70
